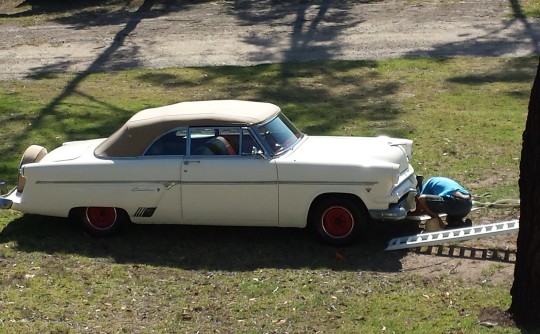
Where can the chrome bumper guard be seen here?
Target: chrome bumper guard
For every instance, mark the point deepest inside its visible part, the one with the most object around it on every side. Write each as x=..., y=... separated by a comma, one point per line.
x=399, y=210
x=4, y=202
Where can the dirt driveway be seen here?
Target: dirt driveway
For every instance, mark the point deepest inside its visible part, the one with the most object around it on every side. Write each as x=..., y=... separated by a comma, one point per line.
x=254, y=32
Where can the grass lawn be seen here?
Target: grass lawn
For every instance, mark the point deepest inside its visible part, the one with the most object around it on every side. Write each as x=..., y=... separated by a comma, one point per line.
x=466, y=116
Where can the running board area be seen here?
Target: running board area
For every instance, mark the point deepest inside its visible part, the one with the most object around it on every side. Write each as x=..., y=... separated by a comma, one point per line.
x=458, y=234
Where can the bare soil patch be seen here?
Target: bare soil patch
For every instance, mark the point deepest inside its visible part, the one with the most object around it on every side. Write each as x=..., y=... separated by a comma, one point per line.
x=491, y=317
x=491, y=258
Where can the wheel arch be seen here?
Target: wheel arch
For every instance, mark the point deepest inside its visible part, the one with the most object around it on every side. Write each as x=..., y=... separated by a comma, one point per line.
x=76, y=215
x=334, y=195
x=338, y=218
x=73, y=212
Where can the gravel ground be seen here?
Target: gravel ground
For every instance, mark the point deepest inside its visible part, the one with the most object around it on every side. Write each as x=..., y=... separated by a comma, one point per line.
x=248, y=33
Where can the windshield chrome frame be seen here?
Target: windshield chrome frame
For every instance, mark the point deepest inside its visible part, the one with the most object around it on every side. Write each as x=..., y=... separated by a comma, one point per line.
x=268, y=150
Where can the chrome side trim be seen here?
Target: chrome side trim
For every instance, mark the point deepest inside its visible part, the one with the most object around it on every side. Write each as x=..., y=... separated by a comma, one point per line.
x=299, y=183
x=167, y=184
x=221, y=183
x=343, y=183
x=170, y=184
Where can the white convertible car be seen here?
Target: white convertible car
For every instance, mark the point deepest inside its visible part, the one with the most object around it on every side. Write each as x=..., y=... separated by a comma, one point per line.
x=219, y=163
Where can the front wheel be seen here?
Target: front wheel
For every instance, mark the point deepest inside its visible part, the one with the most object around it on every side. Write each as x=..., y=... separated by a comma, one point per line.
x=338, y=221
x=102, y=221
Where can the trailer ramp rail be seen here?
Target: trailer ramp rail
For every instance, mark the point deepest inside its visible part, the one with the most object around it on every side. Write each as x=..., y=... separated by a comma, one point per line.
x=458, y=234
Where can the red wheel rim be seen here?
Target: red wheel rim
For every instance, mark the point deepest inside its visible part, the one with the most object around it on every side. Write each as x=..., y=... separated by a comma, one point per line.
x=337, y=222
x=101, y=218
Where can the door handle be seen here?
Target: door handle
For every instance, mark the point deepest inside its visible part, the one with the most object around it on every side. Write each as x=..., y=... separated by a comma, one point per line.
x=187, y=162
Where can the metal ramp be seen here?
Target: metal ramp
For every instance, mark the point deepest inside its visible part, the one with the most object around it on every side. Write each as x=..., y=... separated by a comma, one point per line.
x=459, y=234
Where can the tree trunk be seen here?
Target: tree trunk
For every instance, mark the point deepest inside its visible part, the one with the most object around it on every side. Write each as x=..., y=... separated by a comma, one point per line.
x=526, y=288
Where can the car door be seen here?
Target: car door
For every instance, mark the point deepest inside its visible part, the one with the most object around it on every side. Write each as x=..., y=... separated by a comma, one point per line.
x=163, y=162
x=225, y=181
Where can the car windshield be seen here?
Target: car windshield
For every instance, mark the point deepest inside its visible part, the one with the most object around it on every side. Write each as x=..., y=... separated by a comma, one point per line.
x=279, y=134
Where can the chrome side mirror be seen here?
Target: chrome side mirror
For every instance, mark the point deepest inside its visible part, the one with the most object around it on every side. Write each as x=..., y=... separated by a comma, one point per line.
x=256, y=152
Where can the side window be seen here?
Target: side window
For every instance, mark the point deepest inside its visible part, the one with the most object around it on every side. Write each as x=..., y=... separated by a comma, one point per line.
x=171, y=143
x=249, y=145
x=214, y=141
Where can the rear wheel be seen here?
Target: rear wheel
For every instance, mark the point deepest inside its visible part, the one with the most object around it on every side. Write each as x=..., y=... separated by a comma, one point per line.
x=102, y=221
x=338, y=221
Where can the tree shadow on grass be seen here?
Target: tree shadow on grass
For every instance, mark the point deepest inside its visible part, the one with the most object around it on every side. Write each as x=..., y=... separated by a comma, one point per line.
x=86, y=13
x=206, y=247
x=113, y=51
x=319, y=97
x=517, y=70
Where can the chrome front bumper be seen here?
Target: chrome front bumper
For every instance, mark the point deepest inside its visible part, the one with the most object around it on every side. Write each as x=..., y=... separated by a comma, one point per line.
x=397, y=211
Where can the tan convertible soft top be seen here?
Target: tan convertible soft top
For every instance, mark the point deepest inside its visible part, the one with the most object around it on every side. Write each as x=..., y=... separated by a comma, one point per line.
x=147, y=125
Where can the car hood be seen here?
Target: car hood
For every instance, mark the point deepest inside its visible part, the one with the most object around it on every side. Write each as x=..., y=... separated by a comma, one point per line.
x=365, y=151
x=72, y=150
